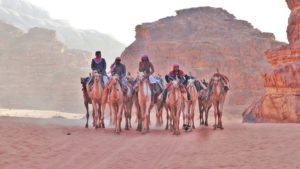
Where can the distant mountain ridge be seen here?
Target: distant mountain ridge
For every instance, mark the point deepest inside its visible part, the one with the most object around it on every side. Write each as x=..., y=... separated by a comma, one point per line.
x=24, y=15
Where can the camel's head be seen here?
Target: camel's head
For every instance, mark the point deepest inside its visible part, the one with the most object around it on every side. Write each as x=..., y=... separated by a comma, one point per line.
x=175, y=84
x=96, y=76
x=115, y=79
x=216, y=80
x=83, y=80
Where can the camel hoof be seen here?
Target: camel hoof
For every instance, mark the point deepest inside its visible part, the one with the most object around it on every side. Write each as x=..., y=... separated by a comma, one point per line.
x=206, y=124
x=86, y=126
x=194, y=127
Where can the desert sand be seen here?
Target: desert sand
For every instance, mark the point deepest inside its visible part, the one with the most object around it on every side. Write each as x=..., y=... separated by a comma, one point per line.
x=58, y=143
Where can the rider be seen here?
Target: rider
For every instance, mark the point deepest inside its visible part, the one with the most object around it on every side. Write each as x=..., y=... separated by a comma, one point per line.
x=174, y=74
x=224, y=79
x=117, y=68
x=146, y=66
x=99, y=64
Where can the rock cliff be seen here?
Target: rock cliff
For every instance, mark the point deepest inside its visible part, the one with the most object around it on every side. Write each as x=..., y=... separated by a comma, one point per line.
x=202, y=39
x=39, y=72
x=281, y=101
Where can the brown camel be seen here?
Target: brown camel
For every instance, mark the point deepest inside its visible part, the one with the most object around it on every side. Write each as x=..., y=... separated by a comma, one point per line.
x=203, y=102
x=217, y=97
x=105, y=101
x=192, y=102
x=86, y=100
x=204, y=106
x=128, y=103
x=175, y=103
x=116, y=101
x=95, y=95
x=144, y=100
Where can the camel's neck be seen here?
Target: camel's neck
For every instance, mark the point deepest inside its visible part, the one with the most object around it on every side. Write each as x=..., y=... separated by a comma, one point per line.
x=144, y=89
x=97, y=88
x=192, y=90
x=175, y=94
x=218, y=89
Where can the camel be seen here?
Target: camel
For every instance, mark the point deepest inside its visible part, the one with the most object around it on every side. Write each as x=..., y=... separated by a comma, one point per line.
x=95, y=95
x=192, y=102
x=86, y=100
x=144, y=101
x=105, y=100
x=217, y=97
x=128, y=103
x=157, y=100
x=116, y=101
x=175, y=103
x=204, y=106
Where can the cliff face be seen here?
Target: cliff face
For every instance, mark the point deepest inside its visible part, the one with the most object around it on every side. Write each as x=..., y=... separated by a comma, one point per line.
x=39, y=72
x=25, y=16
x=202, y=39
x=281, y=101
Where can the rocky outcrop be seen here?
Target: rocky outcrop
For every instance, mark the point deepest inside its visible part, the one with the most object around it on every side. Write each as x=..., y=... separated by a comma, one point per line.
x=25, y=16
x=202, y=39
x=39, y=72
x=281, y=101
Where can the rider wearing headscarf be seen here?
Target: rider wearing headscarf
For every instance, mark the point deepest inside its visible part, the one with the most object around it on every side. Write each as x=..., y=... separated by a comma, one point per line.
x=175, y=73
x=118, y=68
x=146, y=66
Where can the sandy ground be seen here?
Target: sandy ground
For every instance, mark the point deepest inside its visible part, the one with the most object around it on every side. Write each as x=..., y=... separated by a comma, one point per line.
x=45, y=144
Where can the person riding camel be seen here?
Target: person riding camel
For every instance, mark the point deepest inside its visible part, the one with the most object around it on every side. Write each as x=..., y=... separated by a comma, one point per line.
x=117, y=68
x=147, y=67
x=174, y=74
x=223, y=77
x=99, y=64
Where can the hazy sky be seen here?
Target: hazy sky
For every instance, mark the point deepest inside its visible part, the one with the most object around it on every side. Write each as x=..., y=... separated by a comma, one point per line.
x=119, y=17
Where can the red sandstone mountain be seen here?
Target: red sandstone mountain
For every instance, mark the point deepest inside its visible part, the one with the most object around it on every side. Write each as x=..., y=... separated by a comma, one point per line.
x=281, y=100
x=202, y=39
x=39, y=72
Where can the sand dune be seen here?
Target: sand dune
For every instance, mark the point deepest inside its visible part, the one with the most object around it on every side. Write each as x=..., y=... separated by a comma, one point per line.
x=30, y=143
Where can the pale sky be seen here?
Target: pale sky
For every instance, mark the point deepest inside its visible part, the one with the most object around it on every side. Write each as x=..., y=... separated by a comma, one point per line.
x=118, y=18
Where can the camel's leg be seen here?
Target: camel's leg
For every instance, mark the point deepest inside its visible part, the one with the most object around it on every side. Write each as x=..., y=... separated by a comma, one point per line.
x=100, y=116
x=207, y=108
x=176, y=121
x=167, y=118
x=144, y=119
x=111, y=114
x=115, y=111
x=157, y=116
x=160, y=118
x=103, y=107
x=201, y=110
x=215, y=114
x=95, y=114
x=138, y=116
x=86, y=104
x=220, y=114
x=148, y=115
x=129, y=114
x=126, y=116
x=192, y=114
x=120, y=117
